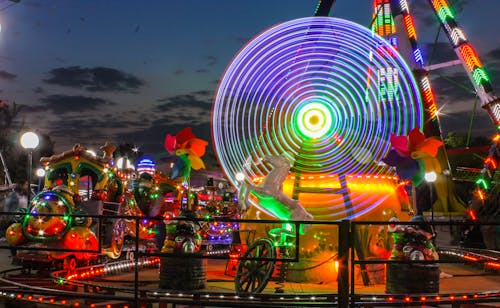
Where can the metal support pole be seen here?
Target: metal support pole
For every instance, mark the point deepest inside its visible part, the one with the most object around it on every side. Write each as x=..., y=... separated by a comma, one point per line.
x=30, y=166
x=343, y=275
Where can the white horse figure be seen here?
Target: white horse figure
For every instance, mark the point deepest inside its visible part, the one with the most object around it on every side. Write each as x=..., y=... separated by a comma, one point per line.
x=271, y=186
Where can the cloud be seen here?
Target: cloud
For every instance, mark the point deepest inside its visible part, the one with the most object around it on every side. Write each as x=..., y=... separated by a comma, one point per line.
x=178, y=72
x=63, y=104
x=201, y=71
x=7, y=76
x=192, y=100
x=39, y=90
x=212, y=60
x=97, y=79
x=35, y=4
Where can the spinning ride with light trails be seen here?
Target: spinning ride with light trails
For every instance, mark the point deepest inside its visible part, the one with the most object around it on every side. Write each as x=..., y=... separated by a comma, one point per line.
x=328, y=93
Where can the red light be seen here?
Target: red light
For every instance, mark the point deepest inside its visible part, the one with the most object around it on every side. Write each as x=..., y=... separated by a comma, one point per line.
x=52, y=300
x=452, y=297
x=19, y=295
x=391, y=298
x=40, y=299
x=472, y=214
x=492, y=162
x=77, y=304
x=423, y=298
x=407, y=299
x=464, y=297
x=30, y=297
x=438, y=298
x=64, y=302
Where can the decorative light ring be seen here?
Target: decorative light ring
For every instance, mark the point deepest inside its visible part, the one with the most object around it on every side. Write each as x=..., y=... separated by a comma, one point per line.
x=315, y=88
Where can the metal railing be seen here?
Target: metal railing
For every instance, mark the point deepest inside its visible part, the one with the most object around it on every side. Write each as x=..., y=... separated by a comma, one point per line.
x=350, y=258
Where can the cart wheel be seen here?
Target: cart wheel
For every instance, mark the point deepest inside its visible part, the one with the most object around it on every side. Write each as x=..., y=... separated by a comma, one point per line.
x=253, y=274
x=117, y=239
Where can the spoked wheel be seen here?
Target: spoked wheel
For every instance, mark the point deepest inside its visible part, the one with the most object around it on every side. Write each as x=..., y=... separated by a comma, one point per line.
x=117, y=239
x=253, y=272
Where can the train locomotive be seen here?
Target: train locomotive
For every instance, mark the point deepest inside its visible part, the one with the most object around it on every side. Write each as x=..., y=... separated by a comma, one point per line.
x=80, y=216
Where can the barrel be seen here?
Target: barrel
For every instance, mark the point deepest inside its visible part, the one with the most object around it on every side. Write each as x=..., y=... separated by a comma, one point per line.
x=183, y=272
x=412, y=278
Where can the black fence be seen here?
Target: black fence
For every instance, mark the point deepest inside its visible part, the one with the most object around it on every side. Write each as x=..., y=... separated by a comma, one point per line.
x=362, y=277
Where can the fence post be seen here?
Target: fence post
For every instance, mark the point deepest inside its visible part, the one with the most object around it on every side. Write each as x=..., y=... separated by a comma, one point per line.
x=343, y=259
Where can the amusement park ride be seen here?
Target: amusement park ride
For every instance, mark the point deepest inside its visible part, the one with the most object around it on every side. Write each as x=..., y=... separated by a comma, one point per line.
x=304, y=122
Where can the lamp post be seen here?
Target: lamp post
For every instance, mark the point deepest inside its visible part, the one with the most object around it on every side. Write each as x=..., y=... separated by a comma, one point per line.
x=430, y=178
x=40, y=173
x=29, y=141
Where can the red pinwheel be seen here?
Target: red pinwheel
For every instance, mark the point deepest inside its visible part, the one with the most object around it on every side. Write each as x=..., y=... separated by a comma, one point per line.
x=413, y=155
x=188, y=149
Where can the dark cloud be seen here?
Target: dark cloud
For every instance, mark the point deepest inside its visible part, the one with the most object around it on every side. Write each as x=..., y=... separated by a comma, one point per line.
x=459, y=123
x=183, y=101
x=240, y=39
x=205, y=93
x=7, y=76
x=97, y=79
x=63, y=104
x=35, y=4
x=212, y=60
x=39, y=90
x=201, y=71
x=494, y=54
x=178, y=72
x=438, y=53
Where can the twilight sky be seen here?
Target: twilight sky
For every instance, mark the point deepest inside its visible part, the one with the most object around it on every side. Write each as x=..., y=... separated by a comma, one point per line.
x=133, y=71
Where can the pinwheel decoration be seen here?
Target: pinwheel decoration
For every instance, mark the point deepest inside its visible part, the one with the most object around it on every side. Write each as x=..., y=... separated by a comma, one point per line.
x=413, y=155
x=188, y=150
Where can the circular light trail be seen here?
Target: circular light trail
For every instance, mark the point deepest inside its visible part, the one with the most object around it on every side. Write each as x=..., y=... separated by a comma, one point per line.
x=326, y=91
x=314, y=120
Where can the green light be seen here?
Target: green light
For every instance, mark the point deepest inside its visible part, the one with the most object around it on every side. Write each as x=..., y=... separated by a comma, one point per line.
x=483, y=183
x=445, y=13
x=60, y=281
x=479, y=76
x=314, y=120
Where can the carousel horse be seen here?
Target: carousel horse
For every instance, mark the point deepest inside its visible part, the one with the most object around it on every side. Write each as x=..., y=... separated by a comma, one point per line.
x=271, y=199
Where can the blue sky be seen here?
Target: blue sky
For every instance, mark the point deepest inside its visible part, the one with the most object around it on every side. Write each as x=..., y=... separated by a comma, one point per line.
x=159, y=61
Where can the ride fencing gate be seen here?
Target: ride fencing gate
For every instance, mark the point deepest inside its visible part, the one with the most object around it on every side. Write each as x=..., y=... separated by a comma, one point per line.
x=354, y=250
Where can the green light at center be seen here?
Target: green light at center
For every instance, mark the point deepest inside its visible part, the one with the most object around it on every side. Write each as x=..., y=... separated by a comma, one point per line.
x=314, y=120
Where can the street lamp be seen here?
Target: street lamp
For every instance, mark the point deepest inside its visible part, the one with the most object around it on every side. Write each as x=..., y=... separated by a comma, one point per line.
x=40, y=173
x=29, y=141
x=430, y=178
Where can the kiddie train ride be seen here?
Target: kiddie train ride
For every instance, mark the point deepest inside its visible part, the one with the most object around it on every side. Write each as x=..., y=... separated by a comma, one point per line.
x=78, y=183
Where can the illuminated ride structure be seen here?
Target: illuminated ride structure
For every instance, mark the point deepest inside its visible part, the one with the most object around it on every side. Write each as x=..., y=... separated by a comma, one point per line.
x=328, y=94
x=392, y=19
x=77, y=183
x=312, y=90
